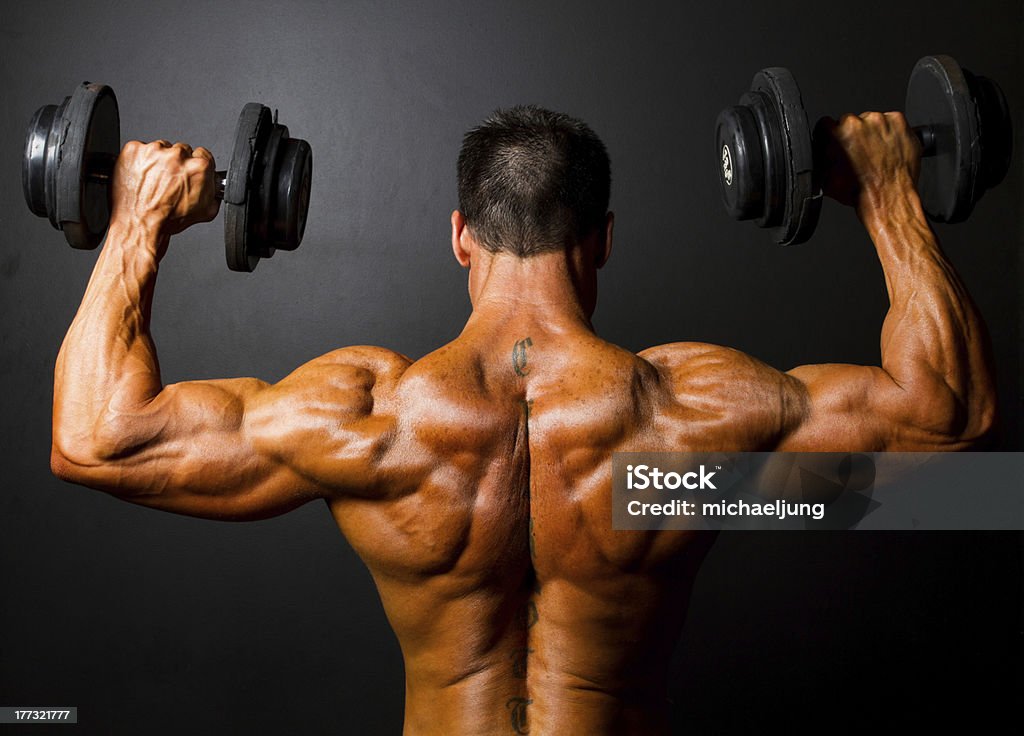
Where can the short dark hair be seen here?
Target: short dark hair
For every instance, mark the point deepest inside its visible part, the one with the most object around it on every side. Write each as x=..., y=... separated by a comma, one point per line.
x=532, y=180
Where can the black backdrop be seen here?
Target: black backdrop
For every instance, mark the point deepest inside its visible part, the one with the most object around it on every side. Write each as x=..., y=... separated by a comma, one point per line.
x=151, y=623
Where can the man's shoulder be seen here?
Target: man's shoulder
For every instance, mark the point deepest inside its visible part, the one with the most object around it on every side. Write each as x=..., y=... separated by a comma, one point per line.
x=376, y=363
x=359, y=377
x=728, y=383
x=696, y=357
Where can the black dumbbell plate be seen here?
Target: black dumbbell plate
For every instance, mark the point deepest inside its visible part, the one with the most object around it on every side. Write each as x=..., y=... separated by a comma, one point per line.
x=64, y=145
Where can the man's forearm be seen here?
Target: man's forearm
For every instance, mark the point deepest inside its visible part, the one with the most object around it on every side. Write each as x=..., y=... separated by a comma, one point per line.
x=934, y=343
x=107, y=367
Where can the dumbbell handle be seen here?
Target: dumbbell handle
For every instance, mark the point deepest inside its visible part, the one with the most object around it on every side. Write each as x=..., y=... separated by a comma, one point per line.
x=101, y=166
x=926, y=134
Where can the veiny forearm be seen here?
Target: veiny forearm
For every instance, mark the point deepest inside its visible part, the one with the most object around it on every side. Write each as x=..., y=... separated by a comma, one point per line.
x=934, y=343
x=107, y=367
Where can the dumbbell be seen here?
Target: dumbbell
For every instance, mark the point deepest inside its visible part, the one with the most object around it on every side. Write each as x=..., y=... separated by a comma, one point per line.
x=70, y=150
x=767, y=167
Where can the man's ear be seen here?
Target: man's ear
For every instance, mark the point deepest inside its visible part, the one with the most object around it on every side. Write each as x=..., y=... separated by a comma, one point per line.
x=604, y=247
x=460, y=239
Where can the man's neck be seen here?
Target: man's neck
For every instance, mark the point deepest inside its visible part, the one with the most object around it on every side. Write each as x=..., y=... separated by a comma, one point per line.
x=552, y=290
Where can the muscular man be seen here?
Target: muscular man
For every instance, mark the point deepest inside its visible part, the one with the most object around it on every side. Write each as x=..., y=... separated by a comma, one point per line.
x=475, y=482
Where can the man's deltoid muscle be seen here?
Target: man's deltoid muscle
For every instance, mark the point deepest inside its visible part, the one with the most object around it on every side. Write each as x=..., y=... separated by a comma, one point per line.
x=475, y=482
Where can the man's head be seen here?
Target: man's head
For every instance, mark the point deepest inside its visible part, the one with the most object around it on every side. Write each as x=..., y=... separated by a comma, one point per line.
x=533, y=181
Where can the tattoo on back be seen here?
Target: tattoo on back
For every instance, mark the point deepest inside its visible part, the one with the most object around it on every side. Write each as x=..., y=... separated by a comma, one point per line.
x=531, y=614
x=519, y=356
x=519, y=658
x=532, y=542
x=517, y=713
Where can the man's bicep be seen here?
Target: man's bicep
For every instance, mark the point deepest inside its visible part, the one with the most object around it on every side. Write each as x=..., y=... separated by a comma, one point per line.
x=262, y=450
x=189, y=451
x=244, y=449
x=812, y=408
x=850, y=408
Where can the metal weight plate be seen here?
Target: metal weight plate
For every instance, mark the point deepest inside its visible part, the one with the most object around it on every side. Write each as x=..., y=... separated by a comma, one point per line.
x=34, y=162
x=266, y=195
x=65, y=145
x=92, y=139
x=261, y=219
x=939, y=96
x=741, y=175
x=285, y=193
x=995, y=129
x=765, y=112
x=294, y=182
x=40, y=160
x=800, y=198
x=254, y=127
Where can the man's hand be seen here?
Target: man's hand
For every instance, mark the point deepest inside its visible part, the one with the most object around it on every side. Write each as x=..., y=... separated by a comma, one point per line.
x=868, y=158
x=163, y=188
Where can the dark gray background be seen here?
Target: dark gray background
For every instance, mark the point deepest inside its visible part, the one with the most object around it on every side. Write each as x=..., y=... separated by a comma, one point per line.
x=154, y=623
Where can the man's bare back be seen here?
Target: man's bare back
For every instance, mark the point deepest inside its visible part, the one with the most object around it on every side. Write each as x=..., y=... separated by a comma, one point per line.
x=476, y=482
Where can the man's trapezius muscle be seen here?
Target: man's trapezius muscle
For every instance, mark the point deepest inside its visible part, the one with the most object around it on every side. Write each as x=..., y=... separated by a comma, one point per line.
x=475, y=483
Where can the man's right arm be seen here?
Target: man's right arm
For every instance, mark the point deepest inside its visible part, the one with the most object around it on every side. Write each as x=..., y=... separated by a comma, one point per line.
x=935, y=388
x=228, y=448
